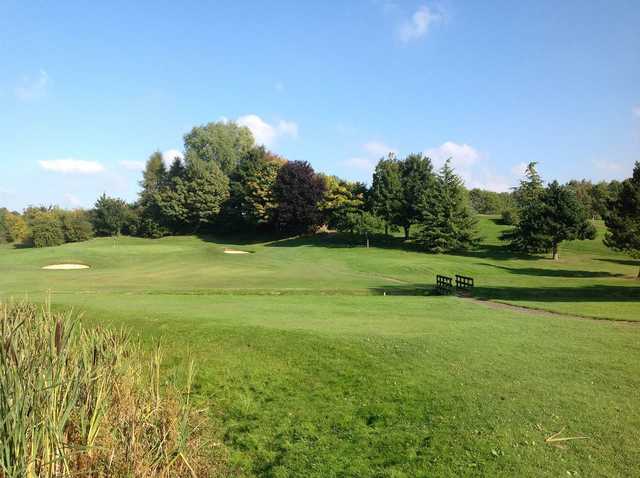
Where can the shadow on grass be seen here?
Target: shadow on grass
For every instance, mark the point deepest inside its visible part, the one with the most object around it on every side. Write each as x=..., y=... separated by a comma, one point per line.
x=532, y=271
x=622, y=262
x=592, y=293
x=380, y=241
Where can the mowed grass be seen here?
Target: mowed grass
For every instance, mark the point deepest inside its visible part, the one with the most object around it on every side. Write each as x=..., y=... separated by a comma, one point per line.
x=308, y=370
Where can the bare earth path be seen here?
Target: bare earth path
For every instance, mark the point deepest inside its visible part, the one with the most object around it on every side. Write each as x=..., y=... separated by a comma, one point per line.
x=540, y=312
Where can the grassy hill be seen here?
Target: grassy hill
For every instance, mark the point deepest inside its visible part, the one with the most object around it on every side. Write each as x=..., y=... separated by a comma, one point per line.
x=307, y=369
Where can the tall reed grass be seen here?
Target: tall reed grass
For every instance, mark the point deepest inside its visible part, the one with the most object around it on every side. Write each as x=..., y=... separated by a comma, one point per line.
x=80, y=401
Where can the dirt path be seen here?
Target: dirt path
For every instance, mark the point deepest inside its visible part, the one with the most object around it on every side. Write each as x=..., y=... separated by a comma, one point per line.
x=542, y=313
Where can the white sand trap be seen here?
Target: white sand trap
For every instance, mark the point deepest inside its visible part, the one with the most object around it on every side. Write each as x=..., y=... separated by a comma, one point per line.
x=66, y=267
x=233, y=251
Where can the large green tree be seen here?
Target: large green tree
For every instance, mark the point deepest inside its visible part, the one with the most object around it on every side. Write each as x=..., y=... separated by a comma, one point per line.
x=623, y=217
x=224, y=143
x=109, y=216
x=418, y=183
x=563, y=217
x=298, y=191
x=342, y=200
x=386, y=192
x=194, y=195
x=252, y=202
x=527, y=235
x=446, y=220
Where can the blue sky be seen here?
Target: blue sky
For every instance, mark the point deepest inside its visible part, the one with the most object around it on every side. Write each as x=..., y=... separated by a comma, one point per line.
x=89, y=89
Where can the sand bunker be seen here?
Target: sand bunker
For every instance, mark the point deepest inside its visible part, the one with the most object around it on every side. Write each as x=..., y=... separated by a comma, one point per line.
x=232, y=251
x=66, y=267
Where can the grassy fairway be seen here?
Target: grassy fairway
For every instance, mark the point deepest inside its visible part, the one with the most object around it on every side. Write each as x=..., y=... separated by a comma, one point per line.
x=308, y=371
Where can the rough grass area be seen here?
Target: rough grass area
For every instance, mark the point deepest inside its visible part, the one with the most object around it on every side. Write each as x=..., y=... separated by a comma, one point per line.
x=79, y=402
x=307, y=369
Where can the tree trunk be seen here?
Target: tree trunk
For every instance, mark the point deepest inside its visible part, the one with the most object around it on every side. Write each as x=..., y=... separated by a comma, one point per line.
x=638, y=277
x=386, y=229
x=555, y=252
x=406, y=232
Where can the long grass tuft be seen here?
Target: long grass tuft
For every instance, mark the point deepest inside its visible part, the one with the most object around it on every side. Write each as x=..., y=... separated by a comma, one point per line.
x=76, y=402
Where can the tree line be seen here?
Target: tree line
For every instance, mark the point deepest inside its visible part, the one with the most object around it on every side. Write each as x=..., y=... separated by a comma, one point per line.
x=227, y=184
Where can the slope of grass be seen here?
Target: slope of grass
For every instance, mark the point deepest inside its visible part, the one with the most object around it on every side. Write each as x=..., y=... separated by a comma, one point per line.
x=308, y=370
x=589, y=279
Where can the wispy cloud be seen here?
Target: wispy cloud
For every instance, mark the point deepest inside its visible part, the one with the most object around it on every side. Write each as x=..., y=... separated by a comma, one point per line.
x=132, y=165
x=70, y=165
x=33, y=88
x=419, y=24
x=268, y=134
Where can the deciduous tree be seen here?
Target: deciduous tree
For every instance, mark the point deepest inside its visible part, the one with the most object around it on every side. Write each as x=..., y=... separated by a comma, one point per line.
x=224, y=143
x=386, y=192
x=252, y=202
x=418, y=183
x=298, y=191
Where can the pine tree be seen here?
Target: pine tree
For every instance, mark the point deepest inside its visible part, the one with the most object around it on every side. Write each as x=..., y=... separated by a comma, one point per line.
x=623, y=217
x=563, y=217
x=447, y=222
x=527, y=235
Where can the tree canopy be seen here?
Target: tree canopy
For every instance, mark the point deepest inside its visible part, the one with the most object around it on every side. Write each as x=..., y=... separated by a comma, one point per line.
x=224, y=143
x=298, y=191
x=386, y=191
x=563, y=218
x=446, y=221
x=623, y=217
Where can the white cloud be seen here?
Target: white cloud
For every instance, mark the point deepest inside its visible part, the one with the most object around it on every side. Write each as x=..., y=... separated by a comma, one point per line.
x=378, y=149
x=132, y=165
x=169, y=155
x=72, y=200
x=33, y=88
x=265, y=133
x=418, y=25
x=470, y=165
x=636, y=111
x=71, y=165
x=462, y=155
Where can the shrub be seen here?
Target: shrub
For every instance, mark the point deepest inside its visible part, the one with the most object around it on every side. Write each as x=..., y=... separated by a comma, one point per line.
x=509, y=217
x=81, y=402
x=46, y=230
x=16, y=229
x=76, y=226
